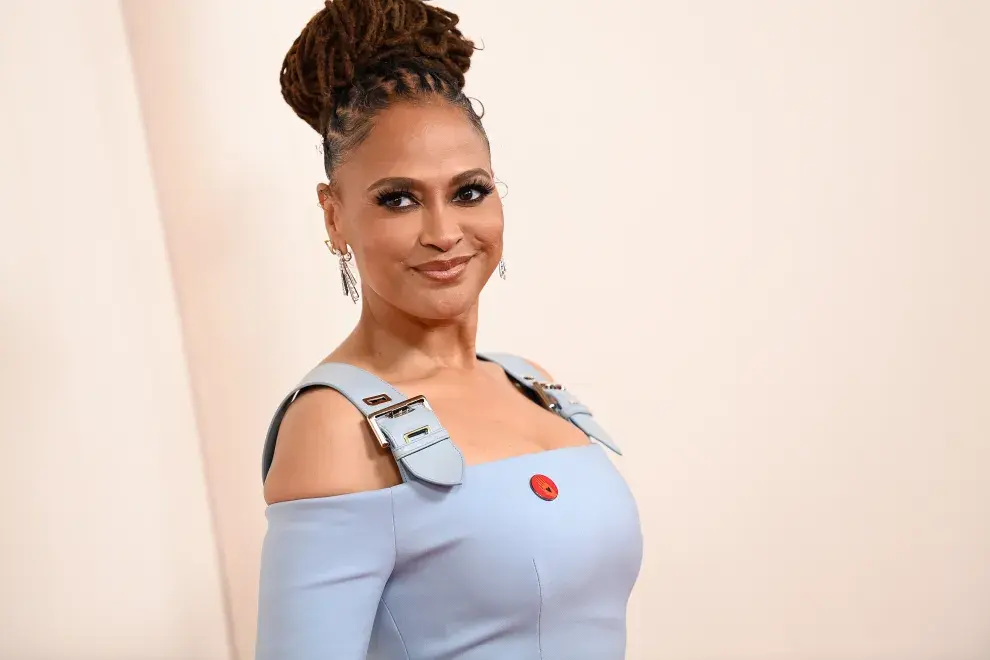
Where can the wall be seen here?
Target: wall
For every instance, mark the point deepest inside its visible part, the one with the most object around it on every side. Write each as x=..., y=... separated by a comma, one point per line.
x=107, y=549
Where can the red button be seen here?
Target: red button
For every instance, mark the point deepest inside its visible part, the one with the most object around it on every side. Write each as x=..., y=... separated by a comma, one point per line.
x=544, y=487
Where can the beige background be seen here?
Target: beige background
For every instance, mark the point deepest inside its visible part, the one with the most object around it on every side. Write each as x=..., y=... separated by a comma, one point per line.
x=750, y=234
x=106, y=548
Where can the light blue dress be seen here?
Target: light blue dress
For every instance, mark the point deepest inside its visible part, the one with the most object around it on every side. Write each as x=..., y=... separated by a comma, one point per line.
x=528, y=558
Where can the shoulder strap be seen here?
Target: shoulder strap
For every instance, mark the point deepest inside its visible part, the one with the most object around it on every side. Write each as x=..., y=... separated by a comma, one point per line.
x=420, y=444
x=554, y=396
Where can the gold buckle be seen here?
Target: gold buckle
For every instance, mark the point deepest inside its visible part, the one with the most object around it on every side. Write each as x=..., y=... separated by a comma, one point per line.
x=395, y=410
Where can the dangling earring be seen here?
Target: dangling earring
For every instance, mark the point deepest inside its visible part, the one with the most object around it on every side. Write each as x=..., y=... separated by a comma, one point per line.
x=347, y=280
x=501, y=262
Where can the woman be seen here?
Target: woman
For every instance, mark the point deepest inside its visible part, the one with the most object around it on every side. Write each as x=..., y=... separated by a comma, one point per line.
x=480, y=520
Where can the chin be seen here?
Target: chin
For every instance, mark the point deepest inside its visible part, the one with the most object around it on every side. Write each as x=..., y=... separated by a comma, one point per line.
x=444, y=305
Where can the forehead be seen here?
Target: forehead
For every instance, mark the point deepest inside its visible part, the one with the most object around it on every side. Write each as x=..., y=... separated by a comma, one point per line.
x=430, y=142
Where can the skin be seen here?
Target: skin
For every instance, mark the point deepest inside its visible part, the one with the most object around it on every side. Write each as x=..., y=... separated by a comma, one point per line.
x=415, y=331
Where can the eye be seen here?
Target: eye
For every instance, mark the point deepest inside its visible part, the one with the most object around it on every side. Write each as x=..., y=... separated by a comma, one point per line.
x=473, y=193
x=395, y=199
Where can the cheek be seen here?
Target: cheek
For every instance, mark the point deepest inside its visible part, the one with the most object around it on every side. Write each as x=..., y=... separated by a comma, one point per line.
x=386, y=241
x=377, y=258
x=488, y=229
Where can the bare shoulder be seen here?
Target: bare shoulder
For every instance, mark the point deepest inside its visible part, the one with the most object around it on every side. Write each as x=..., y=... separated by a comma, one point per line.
x=325, y=448
x=543, y=372
x=497, y=369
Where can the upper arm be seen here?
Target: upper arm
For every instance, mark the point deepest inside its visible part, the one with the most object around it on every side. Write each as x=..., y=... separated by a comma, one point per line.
x=324, y=566
x=324, y=447
x=330, y=545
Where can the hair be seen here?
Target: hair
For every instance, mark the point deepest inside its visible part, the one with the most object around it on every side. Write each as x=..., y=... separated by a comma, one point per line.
x=357, y=57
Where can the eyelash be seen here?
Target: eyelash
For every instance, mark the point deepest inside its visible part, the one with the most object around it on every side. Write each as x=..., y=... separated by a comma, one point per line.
x=483, y=188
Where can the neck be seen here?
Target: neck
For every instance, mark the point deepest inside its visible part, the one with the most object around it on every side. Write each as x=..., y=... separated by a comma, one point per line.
x=411, y=347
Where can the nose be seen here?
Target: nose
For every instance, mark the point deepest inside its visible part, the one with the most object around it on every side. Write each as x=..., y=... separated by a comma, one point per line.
x=441, y=229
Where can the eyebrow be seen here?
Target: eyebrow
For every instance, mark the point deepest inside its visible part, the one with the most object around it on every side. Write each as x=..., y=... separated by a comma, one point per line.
x=405, y=182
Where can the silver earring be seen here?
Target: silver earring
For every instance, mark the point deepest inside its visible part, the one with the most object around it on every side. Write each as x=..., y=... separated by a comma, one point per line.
x=501, y=268
x=348, y=282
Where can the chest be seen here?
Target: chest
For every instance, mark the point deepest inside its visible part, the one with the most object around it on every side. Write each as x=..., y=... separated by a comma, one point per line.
x=493, y=559
x=494, y=421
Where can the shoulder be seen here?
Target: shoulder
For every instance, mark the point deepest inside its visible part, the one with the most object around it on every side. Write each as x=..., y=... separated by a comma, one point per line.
x=518, y=363
x=540, y=370
x=325, y=448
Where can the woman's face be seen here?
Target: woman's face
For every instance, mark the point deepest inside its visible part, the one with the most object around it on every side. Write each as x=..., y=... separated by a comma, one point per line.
x=416, y=203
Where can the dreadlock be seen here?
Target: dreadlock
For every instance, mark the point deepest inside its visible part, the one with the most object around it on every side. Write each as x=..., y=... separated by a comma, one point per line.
x=355, y=57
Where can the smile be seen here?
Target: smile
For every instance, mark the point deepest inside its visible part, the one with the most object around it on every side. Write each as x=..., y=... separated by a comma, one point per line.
x=443, y=270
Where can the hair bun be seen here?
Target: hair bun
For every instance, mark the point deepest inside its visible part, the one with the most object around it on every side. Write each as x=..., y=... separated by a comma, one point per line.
x=349, y=37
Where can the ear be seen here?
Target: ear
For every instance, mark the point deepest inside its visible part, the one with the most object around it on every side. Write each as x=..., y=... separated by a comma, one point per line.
x=331, y=218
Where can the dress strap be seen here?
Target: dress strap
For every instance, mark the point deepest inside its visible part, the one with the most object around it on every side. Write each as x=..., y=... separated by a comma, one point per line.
x=553, y=396
x=420, y=444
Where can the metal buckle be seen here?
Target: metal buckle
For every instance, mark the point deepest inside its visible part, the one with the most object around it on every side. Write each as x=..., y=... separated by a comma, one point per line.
x=393, y=411
x=543, y=391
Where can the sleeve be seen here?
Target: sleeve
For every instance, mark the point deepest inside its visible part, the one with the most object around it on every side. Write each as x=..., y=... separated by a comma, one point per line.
x=324, y=566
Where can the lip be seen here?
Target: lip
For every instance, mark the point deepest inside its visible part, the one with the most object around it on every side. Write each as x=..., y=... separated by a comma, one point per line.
x=443, y=270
